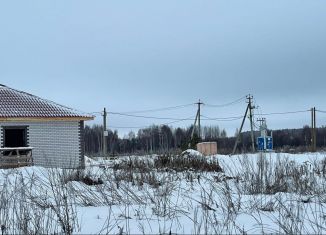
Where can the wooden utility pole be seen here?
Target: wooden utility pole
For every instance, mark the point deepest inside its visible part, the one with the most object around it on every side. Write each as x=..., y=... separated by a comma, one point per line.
x=104, y=133
x=313, y=130
x=249, y=108
x=238, y=137
x=199, y=129
x=249, y=98
x=197, y=120
x=194, y=126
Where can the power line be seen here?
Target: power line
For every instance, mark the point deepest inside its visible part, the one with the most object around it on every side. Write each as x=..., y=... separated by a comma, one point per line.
x=142, y=127
x=191, y=118
x=159, y=109
x=96, y=114
x=226, y=104
x=208, y=118
x=176, y=107
x=256, y=125
x=177, y=119
x=127, y=127
x=145, y=111
x=149, y=117
x=222, y=118
x=127, y=113
x=283, y=113
x=320, y=111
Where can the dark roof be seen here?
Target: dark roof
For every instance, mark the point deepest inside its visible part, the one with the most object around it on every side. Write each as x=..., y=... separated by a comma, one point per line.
x=19, y=104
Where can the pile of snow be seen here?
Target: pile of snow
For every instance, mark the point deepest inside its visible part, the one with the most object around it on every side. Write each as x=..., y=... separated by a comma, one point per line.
x=89, y=161
x=191, y=153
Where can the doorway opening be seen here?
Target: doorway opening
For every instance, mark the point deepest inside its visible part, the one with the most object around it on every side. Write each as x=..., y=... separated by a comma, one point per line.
x=15, y=136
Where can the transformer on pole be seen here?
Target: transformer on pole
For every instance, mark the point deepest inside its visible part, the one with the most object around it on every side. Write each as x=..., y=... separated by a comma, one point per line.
x=264, y=142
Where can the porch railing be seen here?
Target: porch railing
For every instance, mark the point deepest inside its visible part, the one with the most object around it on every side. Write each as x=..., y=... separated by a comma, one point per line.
x=11, y=157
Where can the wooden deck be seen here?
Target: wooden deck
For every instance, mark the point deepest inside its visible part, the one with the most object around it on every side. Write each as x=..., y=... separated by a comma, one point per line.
x=16, y=157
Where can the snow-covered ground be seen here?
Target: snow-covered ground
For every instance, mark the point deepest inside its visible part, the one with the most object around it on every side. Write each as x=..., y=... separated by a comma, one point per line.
x=255, y=193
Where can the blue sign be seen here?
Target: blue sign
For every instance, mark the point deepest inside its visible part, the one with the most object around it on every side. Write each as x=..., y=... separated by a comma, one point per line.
x=261, y=143
x=265, y=143
x=269, y=143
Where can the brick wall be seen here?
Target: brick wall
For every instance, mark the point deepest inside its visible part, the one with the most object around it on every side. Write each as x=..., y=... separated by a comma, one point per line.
x=56, y=143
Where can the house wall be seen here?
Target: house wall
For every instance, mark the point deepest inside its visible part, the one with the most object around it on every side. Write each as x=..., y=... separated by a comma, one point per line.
x=56, y=143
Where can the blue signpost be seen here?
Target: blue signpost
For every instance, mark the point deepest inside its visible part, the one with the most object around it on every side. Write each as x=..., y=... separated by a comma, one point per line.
x=261, y=143
x=265, y=143
x=269, y=143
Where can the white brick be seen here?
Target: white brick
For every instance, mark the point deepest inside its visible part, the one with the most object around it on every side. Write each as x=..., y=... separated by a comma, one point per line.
x=56, y=143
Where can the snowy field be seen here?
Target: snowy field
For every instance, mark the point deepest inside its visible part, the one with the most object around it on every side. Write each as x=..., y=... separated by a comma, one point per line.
x=187, y=194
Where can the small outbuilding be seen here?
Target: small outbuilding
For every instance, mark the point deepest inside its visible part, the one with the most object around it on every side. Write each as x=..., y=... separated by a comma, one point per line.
x=207, y=148
x=53, y=132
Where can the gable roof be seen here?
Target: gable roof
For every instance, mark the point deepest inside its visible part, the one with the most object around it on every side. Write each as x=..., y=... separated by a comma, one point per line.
x=16, y=104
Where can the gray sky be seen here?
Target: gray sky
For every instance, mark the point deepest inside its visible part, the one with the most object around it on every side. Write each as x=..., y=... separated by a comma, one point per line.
x=136, y=55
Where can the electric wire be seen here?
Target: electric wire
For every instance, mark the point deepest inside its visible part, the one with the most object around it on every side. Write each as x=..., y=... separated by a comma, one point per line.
x=221, y=118
x=142, y=127
x=320, y=111
x=96, y=113
x=283, y=113
x=148, y=117
x=176, y=119
x=226, y=104
x=126, y=127
x=205, y=118
x=191, y=118
x=158, y=109
x=256, y=125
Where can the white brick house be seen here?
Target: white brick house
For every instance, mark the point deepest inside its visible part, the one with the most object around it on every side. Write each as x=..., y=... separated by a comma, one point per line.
x=54, y=131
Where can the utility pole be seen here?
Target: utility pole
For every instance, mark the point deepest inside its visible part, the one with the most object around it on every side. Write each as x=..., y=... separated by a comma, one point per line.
x=313, y=130
x=249, y=108
x=238, y=137
x=197, y=120
x=249, y=98
x=105, y=134
x=193, y=128
x=199, y=129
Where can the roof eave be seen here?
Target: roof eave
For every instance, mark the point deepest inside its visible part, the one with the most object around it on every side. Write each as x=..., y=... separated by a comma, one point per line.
x=44, y=119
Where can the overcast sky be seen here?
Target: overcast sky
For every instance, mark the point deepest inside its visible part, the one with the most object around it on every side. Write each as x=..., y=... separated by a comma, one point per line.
x=135, y=55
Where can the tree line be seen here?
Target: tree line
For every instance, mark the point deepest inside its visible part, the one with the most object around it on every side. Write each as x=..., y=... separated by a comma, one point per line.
x=154, y=139
x=163, y=139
